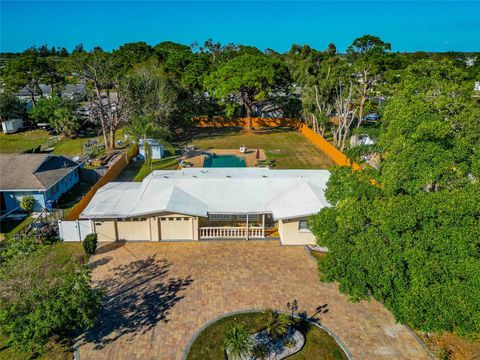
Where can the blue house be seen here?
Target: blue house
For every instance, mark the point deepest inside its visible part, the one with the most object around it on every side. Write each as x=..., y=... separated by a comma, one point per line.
x=43, y=176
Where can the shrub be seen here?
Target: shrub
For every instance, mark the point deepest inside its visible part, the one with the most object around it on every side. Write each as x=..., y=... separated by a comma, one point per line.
x=289, y=343
x=276, y=325
x=238, y=341
x=27, y=202
x=90, y=244
x=53, y=301
x=260, y=351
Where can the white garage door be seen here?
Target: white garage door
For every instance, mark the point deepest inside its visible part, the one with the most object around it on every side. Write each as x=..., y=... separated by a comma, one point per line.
x=176, y=228
x=133, y=230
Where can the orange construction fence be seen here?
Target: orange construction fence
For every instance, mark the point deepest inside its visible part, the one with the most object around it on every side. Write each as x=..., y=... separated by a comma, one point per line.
x=121, y=162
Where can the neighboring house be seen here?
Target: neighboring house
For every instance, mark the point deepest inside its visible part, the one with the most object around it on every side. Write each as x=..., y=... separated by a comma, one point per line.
x=210, y=203
x=76, y=92
x=43, y=90
x=43, y=176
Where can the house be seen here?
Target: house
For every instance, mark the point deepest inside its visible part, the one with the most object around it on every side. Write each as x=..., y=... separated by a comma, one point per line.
x=76, y=92
x=43, y=90
x=210, y=203
x=156, y=149
x=43, y=176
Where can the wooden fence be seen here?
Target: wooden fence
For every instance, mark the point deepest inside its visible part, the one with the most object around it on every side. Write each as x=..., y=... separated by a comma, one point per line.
x=320, y=142
x=120, y=163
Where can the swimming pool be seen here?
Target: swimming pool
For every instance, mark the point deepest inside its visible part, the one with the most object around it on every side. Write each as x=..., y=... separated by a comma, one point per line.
x=223, y=161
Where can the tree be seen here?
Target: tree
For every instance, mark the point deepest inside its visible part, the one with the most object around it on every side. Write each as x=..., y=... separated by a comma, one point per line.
x=368, y=54
x=106, y=89
x=248, y=79
x=11, y=107
x=59, y=113
x=238, y=341
x=411, y=240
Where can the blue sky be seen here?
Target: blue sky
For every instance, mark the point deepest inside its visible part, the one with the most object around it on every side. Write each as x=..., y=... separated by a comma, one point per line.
x=407, y=25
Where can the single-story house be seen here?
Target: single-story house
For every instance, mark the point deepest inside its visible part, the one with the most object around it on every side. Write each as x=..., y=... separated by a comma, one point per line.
x=42, y=90
x=210, y=203
x=76, y=92
x=43, y=176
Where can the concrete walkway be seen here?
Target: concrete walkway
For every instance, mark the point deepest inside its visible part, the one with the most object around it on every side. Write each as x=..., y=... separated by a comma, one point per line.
x=160, y=294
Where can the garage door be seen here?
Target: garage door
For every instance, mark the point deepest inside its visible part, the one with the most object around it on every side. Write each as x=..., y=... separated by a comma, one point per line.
x=133, y=230
x=176, y=228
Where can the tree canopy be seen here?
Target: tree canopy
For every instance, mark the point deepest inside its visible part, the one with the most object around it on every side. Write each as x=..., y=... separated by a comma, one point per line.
x=411, y=239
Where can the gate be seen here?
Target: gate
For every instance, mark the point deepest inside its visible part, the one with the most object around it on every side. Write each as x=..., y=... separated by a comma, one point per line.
x=74, y=230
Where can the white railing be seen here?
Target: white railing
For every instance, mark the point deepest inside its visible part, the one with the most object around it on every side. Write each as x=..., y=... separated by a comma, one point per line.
x=232, y=232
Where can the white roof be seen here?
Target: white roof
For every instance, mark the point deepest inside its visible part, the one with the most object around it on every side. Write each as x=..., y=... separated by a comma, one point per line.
x=200, y=191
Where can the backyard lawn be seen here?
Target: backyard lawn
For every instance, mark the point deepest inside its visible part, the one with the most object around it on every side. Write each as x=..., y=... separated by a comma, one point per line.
x=290, y=149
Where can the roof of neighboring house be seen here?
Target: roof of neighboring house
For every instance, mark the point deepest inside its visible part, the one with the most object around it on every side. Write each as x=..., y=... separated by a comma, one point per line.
x=72, y=89
x=200, y=191
x=32, y=171
x=27, y=90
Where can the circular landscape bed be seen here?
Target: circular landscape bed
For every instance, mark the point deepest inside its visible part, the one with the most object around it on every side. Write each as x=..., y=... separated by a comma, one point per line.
x=318, y=344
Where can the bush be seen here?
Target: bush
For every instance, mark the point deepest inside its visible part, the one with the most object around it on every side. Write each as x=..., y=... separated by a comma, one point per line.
x=276, y=325
x=289, y=343
x=54, y=300
x=27, y=202
x=260, y=351
x=90, y=244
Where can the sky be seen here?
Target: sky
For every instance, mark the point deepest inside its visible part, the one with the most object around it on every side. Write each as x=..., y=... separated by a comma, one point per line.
x=407, y=25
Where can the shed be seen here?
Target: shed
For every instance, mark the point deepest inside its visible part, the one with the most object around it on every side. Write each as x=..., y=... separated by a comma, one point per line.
x=12, y=126
x=156, y=148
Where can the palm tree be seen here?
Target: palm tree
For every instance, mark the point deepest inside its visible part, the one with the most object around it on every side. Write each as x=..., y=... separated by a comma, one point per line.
x=140, y=127
x=276, y=325
x=238, y=341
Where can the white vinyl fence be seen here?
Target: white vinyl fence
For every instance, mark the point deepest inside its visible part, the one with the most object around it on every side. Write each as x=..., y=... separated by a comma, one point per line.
x=74, y=230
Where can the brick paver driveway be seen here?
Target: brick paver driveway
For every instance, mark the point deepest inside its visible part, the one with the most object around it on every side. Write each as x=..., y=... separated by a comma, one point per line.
x=160, y=294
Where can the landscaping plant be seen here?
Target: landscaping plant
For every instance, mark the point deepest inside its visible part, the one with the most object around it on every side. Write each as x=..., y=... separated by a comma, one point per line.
x=238, y=341
x=90, y=244
x=27, y=202
x=276, y=325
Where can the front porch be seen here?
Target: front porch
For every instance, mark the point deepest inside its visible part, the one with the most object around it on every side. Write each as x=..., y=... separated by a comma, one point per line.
x=237, y=227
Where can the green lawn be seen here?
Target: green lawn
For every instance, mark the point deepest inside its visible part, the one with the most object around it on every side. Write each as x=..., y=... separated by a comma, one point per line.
x=209, y=344
x=138, y=170
x=289, y=148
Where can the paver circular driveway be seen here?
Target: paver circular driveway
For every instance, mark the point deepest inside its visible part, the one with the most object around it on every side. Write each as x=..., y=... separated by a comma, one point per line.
x=160, y=294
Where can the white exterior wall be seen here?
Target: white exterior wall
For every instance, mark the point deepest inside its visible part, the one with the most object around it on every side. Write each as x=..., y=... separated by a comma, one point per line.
x=291, y=235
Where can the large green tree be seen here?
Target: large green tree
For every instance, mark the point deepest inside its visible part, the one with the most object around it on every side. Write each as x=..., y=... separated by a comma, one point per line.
x=248, y=79
x=59, y=113
x=368, y=55
x=411, y=239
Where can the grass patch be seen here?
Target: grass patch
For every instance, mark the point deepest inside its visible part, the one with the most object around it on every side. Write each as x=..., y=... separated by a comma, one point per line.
x=10, y=227
x=209, y=344
x=138, y=170
x=289, y=148
x=16, y=143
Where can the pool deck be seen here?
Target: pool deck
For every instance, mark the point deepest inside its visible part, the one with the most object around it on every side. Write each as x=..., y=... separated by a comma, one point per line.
x=196, y=158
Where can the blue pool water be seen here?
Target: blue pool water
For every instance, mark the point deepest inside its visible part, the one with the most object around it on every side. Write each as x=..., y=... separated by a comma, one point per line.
x=224, y=161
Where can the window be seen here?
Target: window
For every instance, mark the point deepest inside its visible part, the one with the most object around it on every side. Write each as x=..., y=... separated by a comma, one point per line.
x=303, y=226
x=251, y=217
x=219, y=217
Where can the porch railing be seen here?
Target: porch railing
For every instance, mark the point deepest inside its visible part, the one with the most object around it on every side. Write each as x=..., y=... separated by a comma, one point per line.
x=232, y=232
